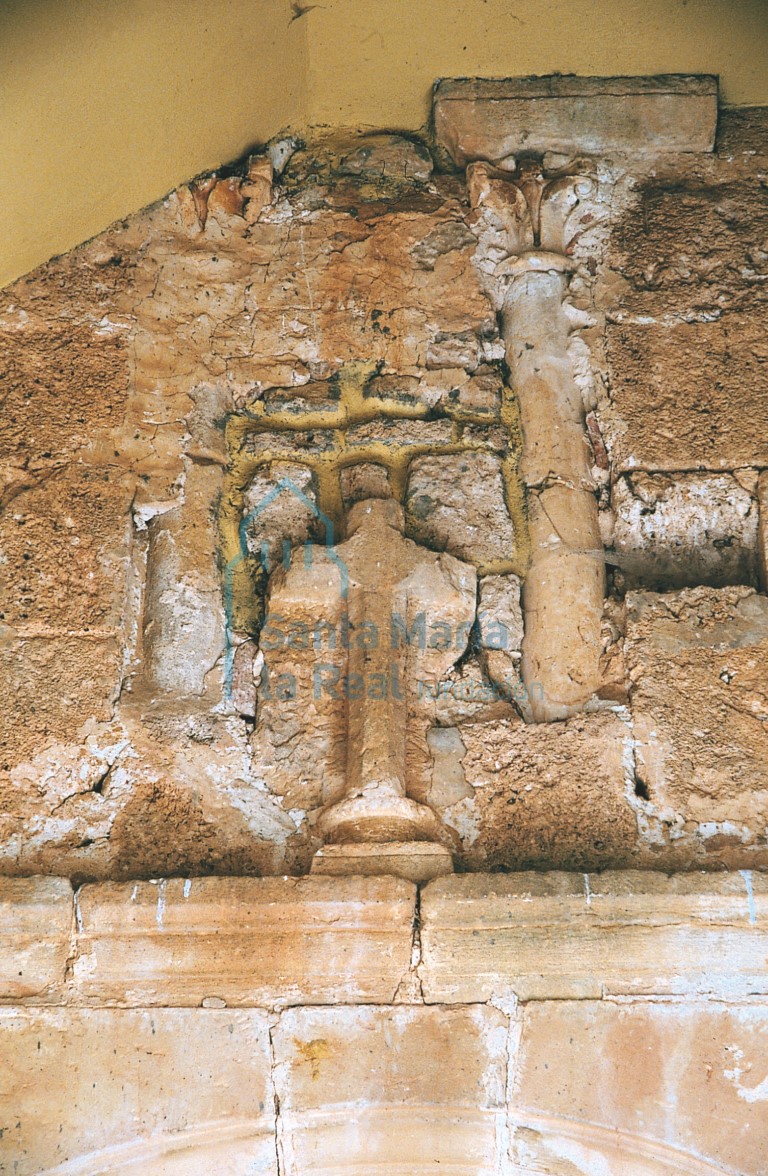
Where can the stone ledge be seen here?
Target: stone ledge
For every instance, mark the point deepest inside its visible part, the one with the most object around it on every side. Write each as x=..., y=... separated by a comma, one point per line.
x=559, y=936
x=35, y=937
x=495, y=119
x=266, y=942
x=275, y=942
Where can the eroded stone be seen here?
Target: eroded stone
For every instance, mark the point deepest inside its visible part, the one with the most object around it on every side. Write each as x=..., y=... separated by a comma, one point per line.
x=443, y=516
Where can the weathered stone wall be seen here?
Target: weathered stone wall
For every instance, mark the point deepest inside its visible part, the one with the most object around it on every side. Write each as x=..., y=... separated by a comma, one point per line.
x=336, y=325
x=536, y=1023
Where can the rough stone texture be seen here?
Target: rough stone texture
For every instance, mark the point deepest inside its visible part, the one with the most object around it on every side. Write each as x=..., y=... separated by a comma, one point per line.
x=684, y=295
x=682, y=393
x=345, y=316
x=698, y=664
x=278, y=519
x=444, y=516
x=480, y=118
x=389, y=156
x=270, y=942
x=693, y=529
x=36, y=921
x=672, y=1088
x=554, y=936
x=546, y=795
x=176, y=1092
x=427, y=1087
x=366, y=480
x=762, y=531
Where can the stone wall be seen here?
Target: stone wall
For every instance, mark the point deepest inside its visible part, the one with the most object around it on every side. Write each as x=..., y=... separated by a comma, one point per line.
x=486, y=428
x=319, y=1025
x=328, y=315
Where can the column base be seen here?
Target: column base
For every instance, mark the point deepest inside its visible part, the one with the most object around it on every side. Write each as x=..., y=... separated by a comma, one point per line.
x=417, y=861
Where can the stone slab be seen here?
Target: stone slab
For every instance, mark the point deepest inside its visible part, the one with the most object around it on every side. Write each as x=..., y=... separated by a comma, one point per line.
x=558, y=935
x=172, y=1092
x=418, y=861
x=405, y=1090
x=36, y=921
x=495, y=119
x=267, y=942
x=641, y=1089
x=698, y=663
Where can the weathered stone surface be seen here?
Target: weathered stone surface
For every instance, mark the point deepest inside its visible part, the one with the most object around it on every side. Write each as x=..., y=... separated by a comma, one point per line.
x=443, y=516
x=687, y=530
x=315, y=395
x=416, y=861
x=547, y=795
x=36, y=924
x=762, y=531
x=697, y=661
x=554, y=936
x=681, y=394
x=480, y=118
x=169, y=1091
x=302, y=441
x=52, y=684
x=427, y=1086
x=65, y=381
x=501, y=628
x=450, y=389
x=366, y=480
x=692, y=252
x=64, y=545
x=398, y=433
x=673, y=1088
x=247, y=941
x=279, y=506
x=388, y=156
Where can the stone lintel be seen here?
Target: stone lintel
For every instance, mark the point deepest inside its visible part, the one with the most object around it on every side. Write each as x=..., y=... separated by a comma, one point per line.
x=559, y=936
x=266, y=942
x=36, y=918
x=495, y=119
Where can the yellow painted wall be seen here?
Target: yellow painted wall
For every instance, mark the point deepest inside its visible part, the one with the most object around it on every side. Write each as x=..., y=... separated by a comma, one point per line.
x=105, y=105
x=374, y=62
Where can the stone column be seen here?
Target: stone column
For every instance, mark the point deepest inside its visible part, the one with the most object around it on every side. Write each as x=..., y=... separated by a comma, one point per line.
x=565, y=584
x=530, y=220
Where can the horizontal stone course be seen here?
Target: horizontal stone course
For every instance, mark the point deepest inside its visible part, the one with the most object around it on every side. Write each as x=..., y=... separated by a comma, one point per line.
x=276, y=942
x=556, y=936
x=267, y=942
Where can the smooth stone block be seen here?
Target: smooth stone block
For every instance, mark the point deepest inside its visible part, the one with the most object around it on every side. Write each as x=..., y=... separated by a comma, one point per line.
x=36, y=920
x=268, y=942
x=418, y=861
x=557, y=935
x=641, y=1088
x=398, y=1090
x=171, y=1092
x=495, y=119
